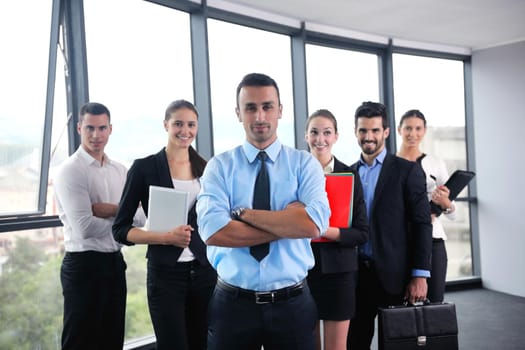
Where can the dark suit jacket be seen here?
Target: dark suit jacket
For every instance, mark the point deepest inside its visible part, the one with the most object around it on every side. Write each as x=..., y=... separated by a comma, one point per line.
x=152, y=170
x=332, y=257
x=400, y=224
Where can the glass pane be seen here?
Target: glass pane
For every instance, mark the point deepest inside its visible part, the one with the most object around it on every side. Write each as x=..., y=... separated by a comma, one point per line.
x=435, y=86
x=30, y=293
x=23, y=84
x=234, y=52
x=340, y=80
x=138, y=63
x=458, y=243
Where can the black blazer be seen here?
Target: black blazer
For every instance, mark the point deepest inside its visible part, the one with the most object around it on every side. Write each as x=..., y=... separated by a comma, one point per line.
x=400, y=223
x=333, y=257
x=152, y=170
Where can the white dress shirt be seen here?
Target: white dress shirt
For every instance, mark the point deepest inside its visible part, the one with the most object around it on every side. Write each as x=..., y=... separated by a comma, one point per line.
x=80, y=182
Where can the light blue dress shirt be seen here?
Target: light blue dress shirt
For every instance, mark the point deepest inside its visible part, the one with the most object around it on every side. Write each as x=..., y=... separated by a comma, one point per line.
x=369, y=175
x=228, y=182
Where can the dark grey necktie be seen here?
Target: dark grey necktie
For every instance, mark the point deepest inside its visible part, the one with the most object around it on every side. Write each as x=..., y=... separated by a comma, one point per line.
x=261, y=200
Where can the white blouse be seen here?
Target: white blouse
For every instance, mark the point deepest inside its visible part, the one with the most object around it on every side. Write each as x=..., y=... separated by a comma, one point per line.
x=192, y=187
x=436, y=175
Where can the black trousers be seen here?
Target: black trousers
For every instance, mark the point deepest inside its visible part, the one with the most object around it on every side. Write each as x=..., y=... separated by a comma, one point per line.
x=94, y=289
x=178, y=297
x=370, y=295
x=436, y=283
x=237, y=322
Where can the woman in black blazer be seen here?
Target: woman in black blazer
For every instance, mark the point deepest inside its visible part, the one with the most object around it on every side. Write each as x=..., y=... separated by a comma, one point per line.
x=333, y=278
x=180, y=279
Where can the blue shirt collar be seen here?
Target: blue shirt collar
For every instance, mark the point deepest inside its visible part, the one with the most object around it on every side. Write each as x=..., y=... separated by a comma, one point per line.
x=379, y=159
x=251, y=151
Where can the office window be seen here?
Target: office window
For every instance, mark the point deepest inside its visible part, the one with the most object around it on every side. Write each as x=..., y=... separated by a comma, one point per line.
x=435, y=86
x=25, y=51
x=137, y=64
x=234, y=52
x=340, y=80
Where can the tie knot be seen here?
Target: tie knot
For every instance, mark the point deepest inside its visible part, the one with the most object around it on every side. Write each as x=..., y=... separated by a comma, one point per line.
x=262, y=156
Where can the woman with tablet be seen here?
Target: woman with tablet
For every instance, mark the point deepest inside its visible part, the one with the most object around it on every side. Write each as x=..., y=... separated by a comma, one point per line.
x=180, y=279
x=412, y=128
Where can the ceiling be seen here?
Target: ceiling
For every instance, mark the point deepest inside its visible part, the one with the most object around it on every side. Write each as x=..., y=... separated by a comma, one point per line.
x=469, y=24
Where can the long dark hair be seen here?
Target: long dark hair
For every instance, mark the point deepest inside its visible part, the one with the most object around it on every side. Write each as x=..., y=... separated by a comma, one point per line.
x=197, y=162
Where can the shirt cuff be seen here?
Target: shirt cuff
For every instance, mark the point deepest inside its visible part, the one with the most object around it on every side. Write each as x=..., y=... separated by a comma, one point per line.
x=420, y=273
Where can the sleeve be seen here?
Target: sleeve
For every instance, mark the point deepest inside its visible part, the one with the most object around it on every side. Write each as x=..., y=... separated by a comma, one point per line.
x=72, y=190
x=134, y=191
x=213, y=201
x=358, y=233
x=311, y=192
x=419, y=218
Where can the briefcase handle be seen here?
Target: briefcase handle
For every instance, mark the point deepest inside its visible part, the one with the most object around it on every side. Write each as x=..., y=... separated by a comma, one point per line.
x=417, y=303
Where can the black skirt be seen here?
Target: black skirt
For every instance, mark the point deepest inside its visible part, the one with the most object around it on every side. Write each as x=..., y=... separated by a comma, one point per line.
x=334, y=293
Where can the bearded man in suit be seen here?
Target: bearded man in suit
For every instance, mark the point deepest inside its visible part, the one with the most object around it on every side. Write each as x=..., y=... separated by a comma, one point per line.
x=395, y=262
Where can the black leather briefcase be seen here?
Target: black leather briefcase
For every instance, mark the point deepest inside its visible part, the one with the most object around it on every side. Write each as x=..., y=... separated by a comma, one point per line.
x=429, y=326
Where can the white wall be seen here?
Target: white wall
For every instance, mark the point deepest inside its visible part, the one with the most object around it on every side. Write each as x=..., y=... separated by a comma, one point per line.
x=498, y=77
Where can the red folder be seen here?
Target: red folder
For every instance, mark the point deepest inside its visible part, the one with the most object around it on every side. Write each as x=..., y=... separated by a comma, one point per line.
x=340, y=192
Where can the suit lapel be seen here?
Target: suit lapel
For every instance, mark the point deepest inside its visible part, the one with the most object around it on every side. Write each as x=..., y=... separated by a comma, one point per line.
x=164, y=170
x=383, y=177
x=340, y=167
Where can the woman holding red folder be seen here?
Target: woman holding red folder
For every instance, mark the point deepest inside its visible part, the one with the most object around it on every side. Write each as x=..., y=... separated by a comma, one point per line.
x=412, y=128
x=333, y=279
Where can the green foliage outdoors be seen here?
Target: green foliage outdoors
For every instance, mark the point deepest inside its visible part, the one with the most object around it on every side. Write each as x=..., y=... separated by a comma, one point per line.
x=31, y=298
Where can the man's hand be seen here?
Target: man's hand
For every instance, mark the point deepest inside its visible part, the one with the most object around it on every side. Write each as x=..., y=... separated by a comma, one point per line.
x=104, y=210
x=416, y=290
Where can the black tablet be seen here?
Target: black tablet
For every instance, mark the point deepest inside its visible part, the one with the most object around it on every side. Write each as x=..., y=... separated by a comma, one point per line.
x=458, y=181
x=455, y=183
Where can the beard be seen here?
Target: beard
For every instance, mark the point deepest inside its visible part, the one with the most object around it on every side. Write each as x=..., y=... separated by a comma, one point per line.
x=370, y=147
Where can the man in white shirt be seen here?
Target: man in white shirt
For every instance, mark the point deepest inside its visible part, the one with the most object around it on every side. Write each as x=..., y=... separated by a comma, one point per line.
x=88, y=187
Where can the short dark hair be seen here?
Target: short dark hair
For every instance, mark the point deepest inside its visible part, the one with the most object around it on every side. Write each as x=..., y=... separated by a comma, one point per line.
x=413, y=113
x=179, y=104
x=325, y=113
x=257, y=79
x=372, y=109
x=94, y=108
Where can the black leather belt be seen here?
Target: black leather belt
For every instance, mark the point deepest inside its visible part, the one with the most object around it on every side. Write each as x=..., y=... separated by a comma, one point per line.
x=263, y=297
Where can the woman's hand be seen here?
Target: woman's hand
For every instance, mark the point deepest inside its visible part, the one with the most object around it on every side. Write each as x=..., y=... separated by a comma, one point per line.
x=180, y=236
x=440, y=197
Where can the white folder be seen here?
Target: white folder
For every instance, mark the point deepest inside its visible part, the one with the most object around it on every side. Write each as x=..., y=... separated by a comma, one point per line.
x=167, y=208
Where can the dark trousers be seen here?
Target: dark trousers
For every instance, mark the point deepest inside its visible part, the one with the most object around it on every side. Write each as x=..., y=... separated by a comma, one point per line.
x=94, y=289
x=436, y=283
x=178, y=299
x=240, y=323
x=370, y=295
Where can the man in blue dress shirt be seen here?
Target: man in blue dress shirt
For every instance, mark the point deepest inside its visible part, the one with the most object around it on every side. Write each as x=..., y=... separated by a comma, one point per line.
x=267, y=302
